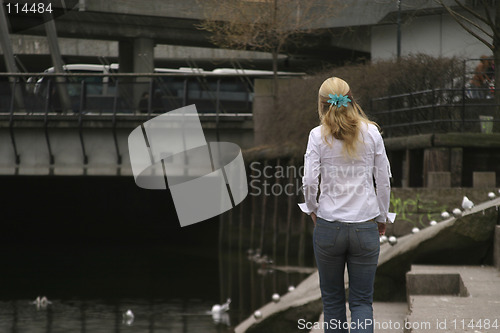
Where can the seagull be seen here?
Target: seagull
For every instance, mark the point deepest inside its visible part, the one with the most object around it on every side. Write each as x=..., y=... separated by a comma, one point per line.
x=128, y=317
x=467, y=204
x=219, y=314
x=41, y=302
x=221, y=308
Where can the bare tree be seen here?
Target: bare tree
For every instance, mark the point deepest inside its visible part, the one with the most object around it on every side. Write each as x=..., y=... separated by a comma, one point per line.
x=482, y=26
x=265, y=25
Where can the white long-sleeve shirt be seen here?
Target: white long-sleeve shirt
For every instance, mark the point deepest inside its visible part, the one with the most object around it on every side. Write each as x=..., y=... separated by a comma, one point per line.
x=347, y=188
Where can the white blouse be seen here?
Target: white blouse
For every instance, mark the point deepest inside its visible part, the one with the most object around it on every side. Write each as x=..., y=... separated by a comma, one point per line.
x=347, y=191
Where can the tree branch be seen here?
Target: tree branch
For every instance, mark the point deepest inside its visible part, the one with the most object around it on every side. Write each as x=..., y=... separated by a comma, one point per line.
x=460, y=18
x=471, y=11
x=466, y=28
x=487, y=14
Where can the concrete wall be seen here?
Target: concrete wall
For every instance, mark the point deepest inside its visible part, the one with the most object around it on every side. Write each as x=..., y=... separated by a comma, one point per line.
x=436, y=35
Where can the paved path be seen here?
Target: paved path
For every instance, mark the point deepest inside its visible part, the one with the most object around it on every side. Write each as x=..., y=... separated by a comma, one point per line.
x=389, y=317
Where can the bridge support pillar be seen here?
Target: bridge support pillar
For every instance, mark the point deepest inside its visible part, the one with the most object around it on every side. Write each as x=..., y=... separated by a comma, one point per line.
x=136, y=56
x=144, y=55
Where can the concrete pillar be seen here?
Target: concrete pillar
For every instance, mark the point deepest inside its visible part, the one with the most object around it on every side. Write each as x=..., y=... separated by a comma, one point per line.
x=435, y=159
x=144, y=55
x=135, y=56
x=143, y=63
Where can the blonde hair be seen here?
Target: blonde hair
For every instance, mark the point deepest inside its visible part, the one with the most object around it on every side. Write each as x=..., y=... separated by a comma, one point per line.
x=340, y=122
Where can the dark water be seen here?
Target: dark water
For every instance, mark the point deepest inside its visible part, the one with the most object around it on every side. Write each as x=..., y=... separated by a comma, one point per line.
x=98, y=246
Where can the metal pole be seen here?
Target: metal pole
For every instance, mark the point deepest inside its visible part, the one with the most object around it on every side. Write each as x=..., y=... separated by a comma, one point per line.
x=55, y=53
x=399, y=30
x=8, y=55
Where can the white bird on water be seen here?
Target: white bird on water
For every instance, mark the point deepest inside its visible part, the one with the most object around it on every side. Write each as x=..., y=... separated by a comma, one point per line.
x=128, y=317
x=41, y=302
x=221, y=308
x=219, y=314
x=466, y=203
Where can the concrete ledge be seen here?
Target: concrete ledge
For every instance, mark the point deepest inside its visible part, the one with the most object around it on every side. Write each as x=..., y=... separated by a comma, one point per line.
x=446, y=313
x=483, y=179
x=434, y=284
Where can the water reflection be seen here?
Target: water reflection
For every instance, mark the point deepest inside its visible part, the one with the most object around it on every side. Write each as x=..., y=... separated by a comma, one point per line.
x=249, y=284
x=97, y=247
x=98, y=316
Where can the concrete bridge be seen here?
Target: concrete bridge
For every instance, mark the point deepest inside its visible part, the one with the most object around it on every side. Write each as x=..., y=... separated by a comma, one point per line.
x=94, y=145
x=138, y=27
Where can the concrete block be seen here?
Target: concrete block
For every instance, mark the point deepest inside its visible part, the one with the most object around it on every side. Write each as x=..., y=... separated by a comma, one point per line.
x=496, y=250
x=434, y=284
x=438, y=179
x=483, y=179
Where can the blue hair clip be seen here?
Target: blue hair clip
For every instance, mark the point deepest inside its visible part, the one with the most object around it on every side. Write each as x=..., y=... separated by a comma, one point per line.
x=339, y=100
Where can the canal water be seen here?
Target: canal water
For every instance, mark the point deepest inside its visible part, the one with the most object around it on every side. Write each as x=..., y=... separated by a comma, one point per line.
x=99, y=246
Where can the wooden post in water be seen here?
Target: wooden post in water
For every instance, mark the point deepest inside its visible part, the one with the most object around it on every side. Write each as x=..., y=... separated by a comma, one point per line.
x=302, y=240
x=228, y=255
x=288, y=220
x=240, y=262
x=221, y=266
x=275, y=215
x=253, y=212
x=263, y=212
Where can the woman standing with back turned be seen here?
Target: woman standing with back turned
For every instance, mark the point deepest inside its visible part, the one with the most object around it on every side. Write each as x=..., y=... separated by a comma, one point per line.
x=348, y=152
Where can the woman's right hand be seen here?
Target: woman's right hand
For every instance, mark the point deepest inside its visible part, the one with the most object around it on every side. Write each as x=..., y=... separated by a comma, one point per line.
x=381, y=228
x=314, y=217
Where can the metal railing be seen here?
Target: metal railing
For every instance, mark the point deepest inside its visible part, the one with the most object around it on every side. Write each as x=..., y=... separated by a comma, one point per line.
x=109, y=93
x=434, y=111
x=461, y=107
x=112, y=97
